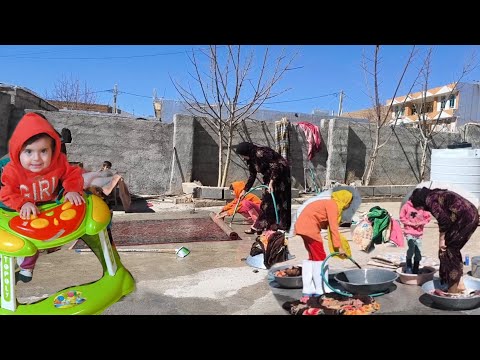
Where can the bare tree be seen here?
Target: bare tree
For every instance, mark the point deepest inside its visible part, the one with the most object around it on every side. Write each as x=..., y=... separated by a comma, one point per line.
x=428, y=127
x=72, y=93
x=378, y=117
x=230, y=91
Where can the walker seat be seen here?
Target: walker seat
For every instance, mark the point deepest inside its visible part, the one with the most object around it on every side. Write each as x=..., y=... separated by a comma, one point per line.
x=56, y=225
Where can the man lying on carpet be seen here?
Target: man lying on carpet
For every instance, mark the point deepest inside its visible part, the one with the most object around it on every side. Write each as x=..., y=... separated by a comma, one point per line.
x=104, y=181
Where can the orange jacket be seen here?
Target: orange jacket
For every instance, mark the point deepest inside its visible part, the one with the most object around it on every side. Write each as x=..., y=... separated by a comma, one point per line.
x=319, y=215
x=238, y=186
x=21, y=185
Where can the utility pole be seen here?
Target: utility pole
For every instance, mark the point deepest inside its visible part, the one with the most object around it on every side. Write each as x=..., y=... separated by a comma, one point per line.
x=115, y=93
x=340, y=103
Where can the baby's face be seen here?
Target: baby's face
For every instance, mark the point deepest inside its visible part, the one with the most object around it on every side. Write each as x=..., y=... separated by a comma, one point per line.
x=37, y=156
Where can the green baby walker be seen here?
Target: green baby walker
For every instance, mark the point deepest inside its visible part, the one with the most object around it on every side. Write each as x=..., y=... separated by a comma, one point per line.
x=56, y=225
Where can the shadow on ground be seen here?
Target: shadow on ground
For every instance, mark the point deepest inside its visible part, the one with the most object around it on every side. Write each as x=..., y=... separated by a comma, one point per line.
x=137, y=206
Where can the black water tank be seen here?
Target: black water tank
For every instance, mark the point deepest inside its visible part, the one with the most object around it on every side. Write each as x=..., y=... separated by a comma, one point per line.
x=460, y=145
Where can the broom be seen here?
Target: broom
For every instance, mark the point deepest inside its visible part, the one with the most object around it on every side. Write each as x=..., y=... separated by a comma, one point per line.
x=181, y=252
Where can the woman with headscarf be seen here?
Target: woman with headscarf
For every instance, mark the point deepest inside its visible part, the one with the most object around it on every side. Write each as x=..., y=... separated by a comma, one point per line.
x=457, y=220
x=318, y=215
x=249, y=207
x=276, y=175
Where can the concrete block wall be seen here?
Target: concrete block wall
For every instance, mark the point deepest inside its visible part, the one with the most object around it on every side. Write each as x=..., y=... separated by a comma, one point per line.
x=471, y=134
x=13, y=102
x=398, y=161
x=299, y=155
x=180, y=151
x=140, y=149
x=157, y=157
x=385, y=190
x=5, y=110
x=205, y=157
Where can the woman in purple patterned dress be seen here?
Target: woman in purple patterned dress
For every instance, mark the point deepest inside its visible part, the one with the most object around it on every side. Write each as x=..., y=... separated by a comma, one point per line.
x=457, y=220
x=276, y=175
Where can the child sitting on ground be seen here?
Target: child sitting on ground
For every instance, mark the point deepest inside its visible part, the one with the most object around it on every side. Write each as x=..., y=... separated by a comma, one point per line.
x=249, y=207
x=36, y=172
x=413, y=220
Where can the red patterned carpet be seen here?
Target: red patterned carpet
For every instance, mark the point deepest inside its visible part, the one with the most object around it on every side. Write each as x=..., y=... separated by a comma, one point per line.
x=146, y=232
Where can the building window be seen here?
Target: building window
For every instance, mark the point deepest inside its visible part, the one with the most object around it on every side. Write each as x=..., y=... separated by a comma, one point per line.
x=428, y=107
x=452, y=101
x=444, y=101
x=399, y=110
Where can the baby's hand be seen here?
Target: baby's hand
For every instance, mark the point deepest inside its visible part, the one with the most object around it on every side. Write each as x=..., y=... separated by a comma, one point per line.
x=74, y=197
x=28, y=209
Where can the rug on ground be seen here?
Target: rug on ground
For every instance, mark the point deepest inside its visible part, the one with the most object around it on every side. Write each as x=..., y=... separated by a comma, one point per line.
x=146, y=232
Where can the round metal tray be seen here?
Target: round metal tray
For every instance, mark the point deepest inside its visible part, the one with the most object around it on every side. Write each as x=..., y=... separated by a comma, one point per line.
x=366, y=281
x=452, y=303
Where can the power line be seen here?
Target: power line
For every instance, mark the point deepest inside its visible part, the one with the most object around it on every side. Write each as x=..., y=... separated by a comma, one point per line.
x=102, y=58
x=269, y=103
x=35, y=53
x=309, y=98
x=127, y=93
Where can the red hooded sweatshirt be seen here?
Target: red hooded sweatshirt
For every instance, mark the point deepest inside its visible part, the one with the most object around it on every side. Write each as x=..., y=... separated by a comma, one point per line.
x=21, y=185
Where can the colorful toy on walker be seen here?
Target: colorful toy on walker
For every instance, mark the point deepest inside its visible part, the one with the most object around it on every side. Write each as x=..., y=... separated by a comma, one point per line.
x=56, y=225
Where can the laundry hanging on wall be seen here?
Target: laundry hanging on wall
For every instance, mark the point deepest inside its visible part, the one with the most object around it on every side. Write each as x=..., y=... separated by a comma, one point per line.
x=312, y=134
x=282, y=137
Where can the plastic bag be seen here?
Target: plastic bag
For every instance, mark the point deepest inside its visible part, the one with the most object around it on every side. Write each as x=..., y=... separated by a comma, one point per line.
x=362, y=235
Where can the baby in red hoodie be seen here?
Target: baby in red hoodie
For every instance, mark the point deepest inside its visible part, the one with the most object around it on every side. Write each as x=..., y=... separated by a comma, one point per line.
x=35, y=173
x=413, y=220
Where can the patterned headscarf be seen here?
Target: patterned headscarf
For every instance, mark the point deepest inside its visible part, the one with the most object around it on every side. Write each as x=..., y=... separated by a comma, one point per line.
x=342, y=198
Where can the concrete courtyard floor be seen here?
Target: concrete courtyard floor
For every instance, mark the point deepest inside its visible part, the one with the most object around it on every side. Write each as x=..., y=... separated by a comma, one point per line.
x=214, y=279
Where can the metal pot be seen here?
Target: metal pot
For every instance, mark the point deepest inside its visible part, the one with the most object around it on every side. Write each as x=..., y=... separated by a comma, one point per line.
x=288, y=282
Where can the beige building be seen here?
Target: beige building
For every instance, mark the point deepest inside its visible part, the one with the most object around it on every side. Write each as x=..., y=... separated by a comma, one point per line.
x=445, y=107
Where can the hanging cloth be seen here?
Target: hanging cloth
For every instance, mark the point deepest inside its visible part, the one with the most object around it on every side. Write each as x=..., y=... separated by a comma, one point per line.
x=282, y=138
x=312, y=134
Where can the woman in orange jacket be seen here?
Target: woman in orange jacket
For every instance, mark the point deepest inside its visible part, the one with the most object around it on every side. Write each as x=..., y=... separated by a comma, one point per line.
x=249, y=207
x=321, y=214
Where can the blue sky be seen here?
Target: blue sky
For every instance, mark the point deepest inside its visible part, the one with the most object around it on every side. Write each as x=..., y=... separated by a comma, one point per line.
x=320, y=72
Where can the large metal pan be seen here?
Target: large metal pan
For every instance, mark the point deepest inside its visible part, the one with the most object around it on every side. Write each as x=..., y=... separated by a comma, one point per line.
x=366, y=281
x=453, y=303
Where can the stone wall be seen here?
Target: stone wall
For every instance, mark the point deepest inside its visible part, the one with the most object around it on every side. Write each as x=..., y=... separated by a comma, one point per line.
x=156, y=157
x=140, y=150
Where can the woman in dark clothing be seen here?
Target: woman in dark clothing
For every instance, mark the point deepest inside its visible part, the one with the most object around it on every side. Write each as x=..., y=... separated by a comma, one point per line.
x=457, y=220
x=276, y=175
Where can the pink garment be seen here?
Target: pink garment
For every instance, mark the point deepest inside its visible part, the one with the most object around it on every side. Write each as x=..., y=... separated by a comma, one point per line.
x=249, y=210
x=396, y=234
x=413, y=219
x=313, y=137
x=29, y=261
